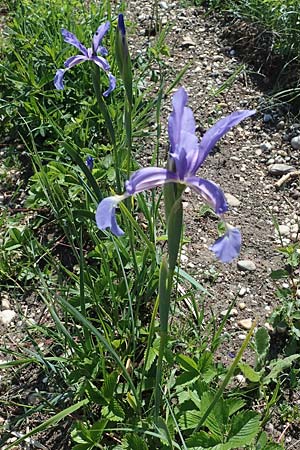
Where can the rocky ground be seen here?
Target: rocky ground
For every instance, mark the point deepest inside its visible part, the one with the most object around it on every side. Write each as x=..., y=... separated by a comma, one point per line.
x=250, y=164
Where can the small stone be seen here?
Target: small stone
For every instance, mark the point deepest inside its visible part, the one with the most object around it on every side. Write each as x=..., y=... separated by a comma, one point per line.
x=280, y=169
x=266, y=146
x=163, y=5
x=269, y=327
x=242, y=291
x=240, y=378
x=268, y=118
x=280, y=125
x=5, y=303
x=283, y=230
x=246, y=324
x=246, y=265
x=7, y=316
x=232, y=200
x=242, y=337
x=187, y=41
x=295, y=142
x=242, y=306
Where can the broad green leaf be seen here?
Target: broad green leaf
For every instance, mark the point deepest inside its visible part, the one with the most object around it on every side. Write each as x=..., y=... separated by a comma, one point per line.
x=218, y=418
x=245, y=426
x=109, y=386
x=278, y=366
x=234, y=404
x=278, y=274
x=187, y=363
x=202, y=439
x=135, y=442
x=249, y=373
x=262, y=341
x=189, y=419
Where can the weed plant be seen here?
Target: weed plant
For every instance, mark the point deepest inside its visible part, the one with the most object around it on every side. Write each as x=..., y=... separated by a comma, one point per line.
x=107, y=372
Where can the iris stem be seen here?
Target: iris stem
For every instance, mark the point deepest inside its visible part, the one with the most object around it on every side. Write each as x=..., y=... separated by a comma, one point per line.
x=107, y=119
x=166, y=276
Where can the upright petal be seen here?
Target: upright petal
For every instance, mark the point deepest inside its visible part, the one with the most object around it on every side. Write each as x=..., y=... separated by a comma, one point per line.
x=101, y=62
x=58, y=79
x=112, y=84
x=227, y=247
x=211, y=193
x=187, y=151
x=74, y=60
x=217, y=131
x=174, y=126
x=99, y=35
x=102, y=50
x=106, y=214
x=149, y=178
x=70, y=38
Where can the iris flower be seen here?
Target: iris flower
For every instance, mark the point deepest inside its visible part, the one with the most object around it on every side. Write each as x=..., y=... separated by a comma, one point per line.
x=95, y=54
x=188, y=155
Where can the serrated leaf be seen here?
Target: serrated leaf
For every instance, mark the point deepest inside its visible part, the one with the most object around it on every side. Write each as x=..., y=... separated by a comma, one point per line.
x=218, y=418
x=234, y=404
x=189, y=419
x=262, y=341
x=202, y=439
x=135, y=442
x=187, y=363
x=244, y=427
x=109, y=386
x=278, y=366
x=249, y=373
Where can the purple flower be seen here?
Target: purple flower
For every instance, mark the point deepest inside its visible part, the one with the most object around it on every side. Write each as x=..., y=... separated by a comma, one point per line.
x=188, y=155
x=89, y=162
x=95, y=53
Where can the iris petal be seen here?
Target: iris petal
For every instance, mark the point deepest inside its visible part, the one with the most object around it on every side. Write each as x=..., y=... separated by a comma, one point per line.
x=218, y=130
x=70, y=38
x=101, y=62
x=74, y=60
x=99, y=35
x=211, y=193
x=148, y=178
x=112, y=84
x=58, y=79
x=227, y=247
x=174, y=126
x=106, y=215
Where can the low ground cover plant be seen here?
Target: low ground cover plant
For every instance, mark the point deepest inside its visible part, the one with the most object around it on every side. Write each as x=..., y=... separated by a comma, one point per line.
x=106, y=369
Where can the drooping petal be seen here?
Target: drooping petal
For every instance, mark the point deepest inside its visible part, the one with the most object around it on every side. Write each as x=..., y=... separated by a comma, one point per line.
x=101, y=62
x=58, y=79
x=99, y=35
x=70, y=38
x=106, y=214
x=74, y=60
x=112, y=84
x=217, y=131
x=227, y=247
x=149, y=178
x=211, y=193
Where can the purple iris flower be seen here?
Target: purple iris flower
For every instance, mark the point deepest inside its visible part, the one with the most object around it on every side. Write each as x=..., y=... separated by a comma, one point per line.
x=188, y=155
x=95, y=53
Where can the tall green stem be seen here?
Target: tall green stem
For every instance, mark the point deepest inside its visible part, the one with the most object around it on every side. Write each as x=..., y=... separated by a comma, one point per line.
x=174, y=229
x=108, y=122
